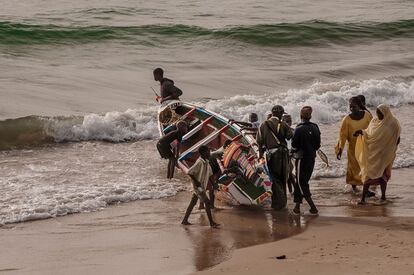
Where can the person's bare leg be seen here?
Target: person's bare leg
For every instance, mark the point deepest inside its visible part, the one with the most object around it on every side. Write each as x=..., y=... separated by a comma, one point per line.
x=296, y=210
x=190, y=207
x=289, y=183
x=364, y=193
x=208, y=211
x=383, y=189
x=171, y=168
x=211, y=197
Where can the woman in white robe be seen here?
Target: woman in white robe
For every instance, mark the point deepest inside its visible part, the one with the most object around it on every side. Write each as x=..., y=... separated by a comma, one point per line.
x=376, y=149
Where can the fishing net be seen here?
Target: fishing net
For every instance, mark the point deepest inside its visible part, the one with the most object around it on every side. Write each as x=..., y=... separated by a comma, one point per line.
x=168, y=116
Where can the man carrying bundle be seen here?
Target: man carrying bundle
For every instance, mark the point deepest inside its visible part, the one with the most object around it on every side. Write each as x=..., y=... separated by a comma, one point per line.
x=271, y=137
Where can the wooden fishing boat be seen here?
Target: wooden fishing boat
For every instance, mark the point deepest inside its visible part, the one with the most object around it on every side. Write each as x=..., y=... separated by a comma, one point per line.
x=208, y=128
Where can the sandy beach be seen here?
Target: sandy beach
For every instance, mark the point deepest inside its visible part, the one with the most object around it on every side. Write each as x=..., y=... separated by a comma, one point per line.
x=333, y=246
x=145, y=237
x=83, y=187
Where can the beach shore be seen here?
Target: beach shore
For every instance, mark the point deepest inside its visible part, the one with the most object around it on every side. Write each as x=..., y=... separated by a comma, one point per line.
x=141, y=237
x=145, y=237
x=347, y=239
x=83, y=189
x=332, y=246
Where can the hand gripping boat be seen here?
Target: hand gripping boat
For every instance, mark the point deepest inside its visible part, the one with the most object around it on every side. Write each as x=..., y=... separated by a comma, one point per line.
x=251, y=185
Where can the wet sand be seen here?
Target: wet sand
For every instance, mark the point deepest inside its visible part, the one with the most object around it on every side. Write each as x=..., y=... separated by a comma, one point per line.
x=345, y=239
x=333, y=246
x=145, y=237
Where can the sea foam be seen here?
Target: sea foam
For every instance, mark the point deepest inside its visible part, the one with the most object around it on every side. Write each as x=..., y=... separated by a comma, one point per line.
x=80, y=177
x=92, y=176
x=329, y=101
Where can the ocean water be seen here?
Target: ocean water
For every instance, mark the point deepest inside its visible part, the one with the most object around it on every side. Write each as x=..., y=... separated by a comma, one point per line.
x=77, y=115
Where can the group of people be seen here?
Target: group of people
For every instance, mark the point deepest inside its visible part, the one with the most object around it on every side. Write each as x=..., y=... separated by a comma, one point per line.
x=372, y=144
x=272, y=138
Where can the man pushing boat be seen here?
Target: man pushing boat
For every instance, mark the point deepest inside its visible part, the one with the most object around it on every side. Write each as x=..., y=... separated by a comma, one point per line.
x=165, y=149
x=185, y=128
x=271, y=137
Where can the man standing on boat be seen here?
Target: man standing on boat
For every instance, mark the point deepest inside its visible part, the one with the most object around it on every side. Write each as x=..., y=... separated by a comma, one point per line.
x=271, y=137
x=167, y=89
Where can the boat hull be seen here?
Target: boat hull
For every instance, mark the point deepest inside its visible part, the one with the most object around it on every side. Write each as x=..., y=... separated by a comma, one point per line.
x=212, y=129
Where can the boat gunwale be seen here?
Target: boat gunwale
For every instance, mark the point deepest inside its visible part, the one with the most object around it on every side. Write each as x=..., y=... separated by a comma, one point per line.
x=215, y=115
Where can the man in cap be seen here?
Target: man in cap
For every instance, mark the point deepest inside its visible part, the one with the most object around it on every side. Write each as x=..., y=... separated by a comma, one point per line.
x=305, y=142
x=271, y=138
x=251, y=126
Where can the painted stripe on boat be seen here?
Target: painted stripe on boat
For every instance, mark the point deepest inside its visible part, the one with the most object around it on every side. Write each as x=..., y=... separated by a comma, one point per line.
x=204, y=141
x=196, y=129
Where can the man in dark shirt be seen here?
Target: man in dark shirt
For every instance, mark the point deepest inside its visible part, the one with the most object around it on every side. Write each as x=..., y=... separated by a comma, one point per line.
x=165, y=149
x=305, y=142
x=271, y=137
x=167, y=89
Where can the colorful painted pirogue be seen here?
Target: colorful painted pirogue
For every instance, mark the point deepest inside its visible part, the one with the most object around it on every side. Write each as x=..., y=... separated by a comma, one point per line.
x=251, y=185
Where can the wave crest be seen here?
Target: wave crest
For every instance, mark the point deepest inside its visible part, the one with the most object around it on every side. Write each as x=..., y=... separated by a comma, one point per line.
x=273, y=35
x=329, y=101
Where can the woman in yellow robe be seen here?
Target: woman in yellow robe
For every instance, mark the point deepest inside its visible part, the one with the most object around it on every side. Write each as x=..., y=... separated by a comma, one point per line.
x=358, y=119
x=376, y=150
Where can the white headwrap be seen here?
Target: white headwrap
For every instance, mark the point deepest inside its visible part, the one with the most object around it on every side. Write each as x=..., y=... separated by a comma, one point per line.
x=375, y=149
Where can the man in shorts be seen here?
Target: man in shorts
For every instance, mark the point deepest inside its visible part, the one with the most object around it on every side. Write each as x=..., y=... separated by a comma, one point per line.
x=200, y=173
x=165, y=149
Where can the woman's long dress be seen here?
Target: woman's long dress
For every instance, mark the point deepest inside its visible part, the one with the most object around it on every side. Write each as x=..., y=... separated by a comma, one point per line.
x=346, y=134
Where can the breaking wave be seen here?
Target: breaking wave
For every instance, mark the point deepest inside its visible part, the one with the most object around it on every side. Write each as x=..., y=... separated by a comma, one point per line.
x=330, y=102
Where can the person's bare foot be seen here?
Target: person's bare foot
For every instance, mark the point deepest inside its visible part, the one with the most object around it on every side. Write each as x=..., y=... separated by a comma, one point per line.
x=186, y=223
x=381, y=202
x=296, y=211
x=355, y=189
x=215, y=225
x=361, y=203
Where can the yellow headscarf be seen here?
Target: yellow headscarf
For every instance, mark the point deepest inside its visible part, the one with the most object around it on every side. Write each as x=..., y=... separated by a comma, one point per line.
x=376, y=147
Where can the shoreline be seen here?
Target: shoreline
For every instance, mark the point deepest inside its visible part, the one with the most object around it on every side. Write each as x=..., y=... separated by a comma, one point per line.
x=332, y=245
x=347, y=239
x=143, y=237
x=146, y=237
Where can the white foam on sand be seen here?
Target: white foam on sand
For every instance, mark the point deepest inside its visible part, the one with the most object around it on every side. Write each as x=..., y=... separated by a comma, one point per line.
x=40, y=201
x=80, y=177
x=338, y=168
